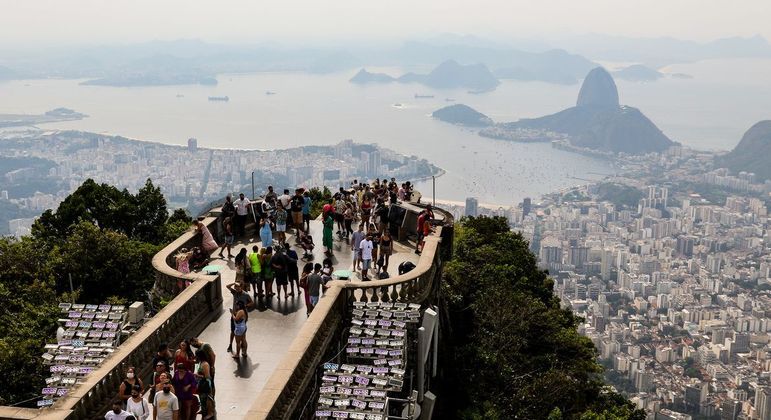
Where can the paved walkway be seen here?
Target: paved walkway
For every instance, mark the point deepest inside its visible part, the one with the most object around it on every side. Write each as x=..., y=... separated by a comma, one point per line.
x=271, y=327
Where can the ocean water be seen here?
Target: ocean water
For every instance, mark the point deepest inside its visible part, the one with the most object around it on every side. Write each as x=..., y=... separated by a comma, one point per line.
x=710, y=111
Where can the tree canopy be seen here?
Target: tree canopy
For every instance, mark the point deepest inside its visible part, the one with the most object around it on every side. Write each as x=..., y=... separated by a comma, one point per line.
x=101, y=237
x=512, y=351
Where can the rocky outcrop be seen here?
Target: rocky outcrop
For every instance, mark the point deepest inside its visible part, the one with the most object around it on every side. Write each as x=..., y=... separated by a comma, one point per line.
x=598, y=89
x=598, y=122
x=752, y=153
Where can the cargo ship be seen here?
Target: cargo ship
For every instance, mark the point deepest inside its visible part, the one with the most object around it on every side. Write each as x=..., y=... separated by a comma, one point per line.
x=219, y=98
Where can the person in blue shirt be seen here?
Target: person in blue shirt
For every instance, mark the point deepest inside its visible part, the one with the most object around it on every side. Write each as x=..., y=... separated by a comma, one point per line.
x=307, y=210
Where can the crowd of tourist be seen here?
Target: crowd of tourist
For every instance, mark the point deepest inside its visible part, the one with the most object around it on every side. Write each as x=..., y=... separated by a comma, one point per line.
x=181, y=386
x=182, y=383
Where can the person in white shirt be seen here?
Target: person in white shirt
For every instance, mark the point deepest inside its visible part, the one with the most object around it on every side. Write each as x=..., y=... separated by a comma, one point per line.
x=242, y=210
x=137, y=404
x=285, y=198
x=366, y=256
x=117, y=412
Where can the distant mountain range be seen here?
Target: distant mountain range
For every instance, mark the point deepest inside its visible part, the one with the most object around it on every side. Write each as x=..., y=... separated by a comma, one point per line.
x=659, y=52
x=448, y=75
x=172, y=62
x=752, y=153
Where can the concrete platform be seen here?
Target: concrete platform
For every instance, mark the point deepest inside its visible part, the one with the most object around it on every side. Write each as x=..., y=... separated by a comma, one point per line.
x=272, y=326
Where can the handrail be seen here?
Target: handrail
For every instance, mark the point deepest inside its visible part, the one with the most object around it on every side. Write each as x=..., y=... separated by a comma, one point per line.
x=340, y=292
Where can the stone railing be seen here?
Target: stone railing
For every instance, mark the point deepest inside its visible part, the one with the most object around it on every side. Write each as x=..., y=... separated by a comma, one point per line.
x=291, y=388
x=186, y=315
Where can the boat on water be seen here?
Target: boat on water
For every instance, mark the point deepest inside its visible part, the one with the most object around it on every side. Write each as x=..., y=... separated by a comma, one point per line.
x=179, y=95
x=423, y=96
x=219, y=98
x=268, y=92
x=397, y=105
x=449, y=99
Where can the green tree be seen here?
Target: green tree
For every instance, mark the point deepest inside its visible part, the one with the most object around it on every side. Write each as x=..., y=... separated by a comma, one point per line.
x=28, y=315
x=105, y=263
x=142, y=216
x=150, y=215
x=512, y=351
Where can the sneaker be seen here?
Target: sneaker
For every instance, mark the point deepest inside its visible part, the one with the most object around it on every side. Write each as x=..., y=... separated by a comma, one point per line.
x=230, y=349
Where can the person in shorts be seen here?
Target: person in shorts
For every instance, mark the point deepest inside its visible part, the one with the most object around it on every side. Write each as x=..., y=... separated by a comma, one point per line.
x=281, y=218
x=296, y=207
x=279, y=264
x=227, y=223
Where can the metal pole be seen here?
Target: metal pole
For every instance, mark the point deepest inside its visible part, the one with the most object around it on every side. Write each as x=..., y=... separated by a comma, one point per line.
x=72, y=290
x=433, y=185
x=252, y=185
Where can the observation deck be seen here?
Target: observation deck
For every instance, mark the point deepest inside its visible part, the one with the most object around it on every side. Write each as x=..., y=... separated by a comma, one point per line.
x=286, y=347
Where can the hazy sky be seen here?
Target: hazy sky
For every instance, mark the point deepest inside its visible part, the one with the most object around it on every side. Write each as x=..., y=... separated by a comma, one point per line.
x=297, y=21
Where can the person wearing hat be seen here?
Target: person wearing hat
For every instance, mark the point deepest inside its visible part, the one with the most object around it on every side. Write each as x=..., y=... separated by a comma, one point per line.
x=184, y=381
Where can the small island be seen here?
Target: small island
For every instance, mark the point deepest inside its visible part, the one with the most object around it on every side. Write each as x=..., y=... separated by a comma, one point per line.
x=54, y=115
x=460, y=114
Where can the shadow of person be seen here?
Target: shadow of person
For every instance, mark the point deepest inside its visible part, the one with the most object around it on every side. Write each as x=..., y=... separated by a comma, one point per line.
x=244, y=367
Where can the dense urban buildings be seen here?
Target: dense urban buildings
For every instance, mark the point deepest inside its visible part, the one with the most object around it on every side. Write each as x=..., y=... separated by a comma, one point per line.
x=53, y=164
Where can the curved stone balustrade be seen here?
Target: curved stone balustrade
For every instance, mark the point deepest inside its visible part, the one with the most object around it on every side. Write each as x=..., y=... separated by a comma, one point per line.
x=290, y=389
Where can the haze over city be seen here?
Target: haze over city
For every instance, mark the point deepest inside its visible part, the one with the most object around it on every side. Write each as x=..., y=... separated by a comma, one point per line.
x=423, y=209
x=93, y=22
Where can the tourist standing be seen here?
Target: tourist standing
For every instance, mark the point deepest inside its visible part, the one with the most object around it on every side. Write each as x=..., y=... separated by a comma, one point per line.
x=205, y=385
x=166, y=404
x=227, y=225
x=267, y=270
x=307, y=210
x=137, y=405
x=328, y=226
x=242, y=210
x=117, y=412
x=292, y=271
x=243, y=269
x=211, y=358
x=255, y=280
x=228, y=209
x=124, y=392
x=281, y=218
x=307, y=270
x=239, y=318
x=356, y=239
x=386, y=249
x=239, y=296
x=296, y=206
x=279, y=265
x=184, y=355
x=271, y=195
x=366, y=209
x=284, y=199
x=366, y=256
x=315, y=284
x=266, y=233
x=183, y=382
x=348, y=220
